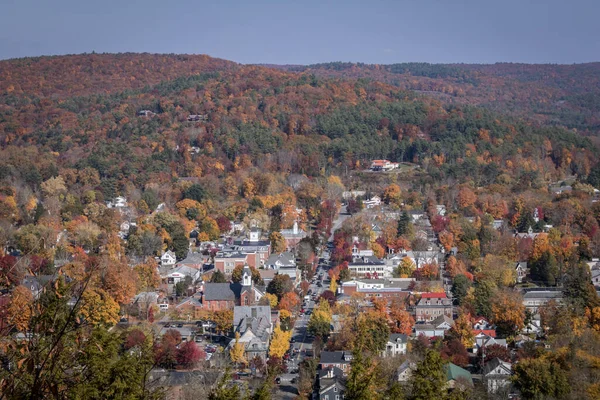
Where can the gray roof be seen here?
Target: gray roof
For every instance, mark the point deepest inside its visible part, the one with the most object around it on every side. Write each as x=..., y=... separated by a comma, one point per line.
x=336, y=357
x=221, y=291
x=394, y=337
x=542, y=293
x=255, y=318
x=492, y=364
x=366, y=260
x=192, y=258
x=284, y=259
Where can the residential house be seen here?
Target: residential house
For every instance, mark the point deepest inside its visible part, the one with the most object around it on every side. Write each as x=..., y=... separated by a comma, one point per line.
x=482, y=323
x=496, y=375
x=483, y=340
x=596, y=277
x=293, y=236
x=534, y=298
x=373, y=202
x=416, y=215
x=118, y=202
x=432, y=305
x=498, y=224
x=284, y=264
x=405, y=371
x=383, y=165
x=367, y=266
x=332, y=384
x=33, y=284
x=457, y=376
x=435, y=328
x=440, y=209
x=396, y=345
x=530, y=234
x=338, y=359
x=255, y=326
x=168, y=259
x=522, y=271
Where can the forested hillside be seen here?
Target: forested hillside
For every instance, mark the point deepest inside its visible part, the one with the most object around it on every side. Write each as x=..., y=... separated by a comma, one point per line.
x=197, y=146
x=81, y=111
x=567, y=95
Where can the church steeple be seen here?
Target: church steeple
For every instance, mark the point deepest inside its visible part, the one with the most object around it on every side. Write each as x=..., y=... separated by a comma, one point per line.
x=247, y=276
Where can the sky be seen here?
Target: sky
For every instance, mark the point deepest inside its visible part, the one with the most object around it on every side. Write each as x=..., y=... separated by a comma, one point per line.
x=309, y=31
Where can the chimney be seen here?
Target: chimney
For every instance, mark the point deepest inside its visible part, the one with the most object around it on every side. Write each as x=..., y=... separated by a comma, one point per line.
x=295, y=229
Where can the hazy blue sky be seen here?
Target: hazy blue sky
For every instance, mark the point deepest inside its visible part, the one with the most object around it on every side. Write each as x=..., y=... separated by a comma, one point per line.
x=308, y=31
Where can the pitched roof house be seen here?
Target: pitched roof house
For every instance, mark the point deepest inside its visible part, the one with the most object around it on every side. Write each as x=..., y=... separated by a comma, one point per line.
x=395, y=345
x=255, y=326
x=338, y=359
x=496, y=374
x=435, y=328
x=332, y=384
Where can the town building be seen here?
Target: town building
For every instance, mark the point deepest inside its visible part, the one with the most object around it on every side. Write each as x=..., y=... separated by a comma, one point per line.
x=433, y=305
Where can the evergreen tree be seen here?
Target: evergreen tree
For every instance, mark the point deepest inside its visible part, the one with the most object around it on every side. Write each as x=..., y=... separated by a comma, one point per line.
x=403, y=224
x=428, y=380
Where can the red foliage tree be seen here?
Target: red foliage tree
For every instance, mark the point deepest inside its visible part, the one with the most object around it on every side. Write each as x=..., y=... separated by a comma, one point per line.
x=329, y=296
x=455, y=351
x=189, y=354
x=134, y=338
x=495, y=351
x=224, y=224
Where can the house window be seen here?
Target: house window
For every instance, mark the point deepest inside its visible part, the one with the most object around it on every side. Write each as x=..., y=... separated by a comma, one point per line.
x=335, y=389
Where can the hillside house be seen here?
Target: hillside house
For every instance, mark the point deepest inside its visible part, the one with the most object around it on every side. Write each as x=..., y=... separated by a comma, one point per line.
x=383, y=165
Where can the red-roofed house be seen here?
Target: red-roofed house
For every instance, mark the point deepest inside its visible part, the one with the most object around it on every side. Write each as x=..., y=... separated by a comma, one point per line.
x=432, y=305
x=383, y=165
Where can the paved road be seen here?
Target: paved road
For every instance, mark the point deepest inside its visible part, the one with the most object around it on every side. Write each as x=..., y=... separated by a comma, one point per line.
x=338, y=221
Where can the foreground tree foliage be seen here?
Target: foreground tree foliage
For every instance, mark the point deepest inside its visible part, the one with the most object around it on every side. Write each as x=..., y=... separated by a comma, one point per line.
x=68, y=356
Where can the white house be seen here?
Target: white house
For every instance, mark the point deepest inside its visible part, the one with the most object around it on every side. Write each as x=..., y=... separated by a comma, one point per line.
x=395, y=345
x=372, y=202
x=435, y=328
x=117, y=202
x=496, y=375
x=168, y=259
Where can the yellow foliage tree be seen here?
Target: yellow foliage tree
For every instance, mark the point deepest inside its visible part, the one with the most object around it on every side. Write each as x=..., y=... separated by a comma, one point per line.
x=272, y=299
x=99, y=308
x=462, y=330
x=333, y=286
x=237, y=353
x=406, y=268
x=280, y=342
x=19, y=308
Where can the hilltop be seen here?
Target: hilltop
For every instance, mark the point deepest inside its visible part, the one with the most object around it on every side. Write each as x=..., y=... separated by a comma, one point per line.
x=567, y=95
